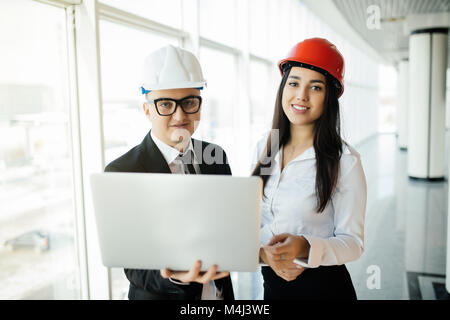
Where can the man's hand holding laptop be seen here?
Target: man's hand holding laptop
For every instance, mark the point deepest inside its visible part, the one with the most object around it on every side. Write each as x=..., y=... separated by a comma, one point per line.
x=194, y=274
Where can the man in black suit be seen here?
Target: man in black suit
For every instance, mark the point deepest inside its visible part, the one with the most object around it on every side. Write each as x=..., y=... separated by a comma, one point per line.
x=171, y=87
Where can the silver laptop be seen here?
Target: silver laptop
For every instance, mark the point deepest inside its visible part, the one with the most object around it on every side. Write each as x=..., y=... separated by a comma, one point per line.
x=154, y=221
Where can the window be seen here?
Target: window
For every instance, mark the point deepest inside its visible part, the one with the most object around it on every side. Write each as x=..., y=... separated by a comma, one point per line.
x=38, y=257
x=218, y=110
x=167, y=12
x=262, y=98
x=280, y=28
x=388, y=99
x=259, y=27
x=218, y=21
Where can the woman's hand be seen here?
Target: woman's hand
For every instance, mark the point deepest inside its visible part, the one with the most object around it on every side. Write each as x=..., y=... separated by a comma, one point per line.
x=280, y=253
x=194, y=274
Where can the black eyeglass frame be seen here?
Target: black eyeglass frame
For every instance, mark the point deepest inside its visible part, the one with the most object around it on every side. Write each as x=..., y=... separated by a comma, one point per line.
x=177, y=103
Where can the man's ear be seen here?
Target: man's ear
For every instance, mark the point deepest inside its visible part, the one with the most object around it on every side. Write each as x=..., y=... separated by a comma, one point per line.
x=146, y=108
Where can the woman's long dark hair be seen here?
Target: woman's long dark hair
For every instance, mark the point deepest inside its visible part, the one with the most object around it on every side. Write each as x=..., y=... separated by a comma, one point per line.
x=327, y=141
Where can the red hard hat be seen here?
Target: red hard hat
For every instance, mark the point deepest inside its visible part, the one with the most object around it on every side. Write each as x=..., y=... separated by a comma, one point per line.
x=319, y=53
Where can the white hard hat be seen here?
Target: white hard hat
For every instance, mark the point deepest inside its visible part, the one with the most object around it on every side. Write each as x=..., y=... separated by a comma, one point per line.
x=171, y=68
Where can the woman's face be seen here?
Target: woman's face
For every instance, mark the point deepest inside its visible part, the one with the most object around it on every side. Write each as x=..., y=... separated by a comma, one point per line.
x=304, y=96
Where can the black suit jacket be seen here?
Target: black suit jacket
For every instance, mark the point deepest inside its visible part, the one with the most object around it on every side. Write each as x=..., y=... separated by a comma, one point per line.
x=146, y=157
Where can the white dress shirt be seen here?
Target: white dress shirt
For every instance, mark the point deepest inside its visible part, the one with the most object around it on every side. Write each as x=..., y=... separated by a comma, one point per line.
x=176, y=166
x=336, y=235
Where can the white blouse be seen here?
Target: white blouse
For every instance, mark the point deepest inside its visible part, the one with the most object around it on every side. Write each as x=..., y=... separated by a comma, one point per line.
x=336, y=235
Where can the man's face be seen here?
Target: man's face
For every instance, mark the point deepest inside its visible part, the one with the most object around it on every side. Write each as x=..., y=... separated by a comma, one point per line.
x=178, y=127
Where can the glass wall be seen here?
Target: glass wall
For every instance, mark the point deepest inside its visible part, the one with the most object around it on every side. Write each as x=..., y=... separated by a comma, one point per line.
x=38, y=257
x=262, y=90
x=259, y=27
x=388, y=99
x=167, y=12
x=217, y=118
x=218, y=20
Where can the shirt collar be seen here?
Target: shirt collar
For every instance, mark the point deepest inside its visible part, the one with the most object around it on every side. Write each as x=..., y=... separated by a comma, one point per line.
x=169, y=153
x=309, y=153
x=345, y=148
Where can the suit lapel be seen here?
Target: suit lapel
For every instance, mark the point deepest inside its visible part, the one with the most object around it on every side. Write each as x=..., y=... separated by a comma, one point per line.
x=199, y=148
x=206, y=169
x=154, y=161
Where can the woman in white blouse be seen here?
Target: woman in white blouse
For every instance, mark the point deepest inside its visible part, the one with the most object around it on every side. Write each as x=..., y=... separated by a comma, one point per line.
x=314, y=197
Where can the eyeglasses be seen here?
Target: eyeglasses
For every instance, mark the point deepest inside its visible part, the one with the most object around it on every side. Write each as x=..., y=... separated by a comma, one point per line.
x=168, y=106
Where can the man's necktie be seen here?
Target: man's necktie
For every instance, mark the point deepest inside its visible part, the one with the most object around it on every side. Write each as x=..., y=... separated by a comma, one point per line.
x=187, y=160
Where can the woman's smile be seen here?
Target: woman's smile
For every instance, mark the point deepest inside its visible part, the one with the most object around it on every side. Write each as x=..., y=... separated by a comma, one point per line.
x=299, y=109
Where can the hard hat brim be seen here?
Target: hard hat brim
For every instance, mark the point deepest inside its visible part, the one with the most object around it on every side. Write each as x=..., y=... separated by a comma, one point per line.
x=311, y=66
x=174, y=85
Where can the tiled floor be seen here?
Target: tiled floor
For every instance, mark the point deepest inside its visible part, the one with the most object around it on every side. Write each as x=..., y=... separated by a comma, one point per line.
x=405, y=232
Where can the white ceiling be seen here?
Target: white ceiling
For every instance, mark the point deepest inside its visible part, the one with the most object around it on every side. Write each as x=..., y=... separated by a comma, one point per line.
x=389, y=41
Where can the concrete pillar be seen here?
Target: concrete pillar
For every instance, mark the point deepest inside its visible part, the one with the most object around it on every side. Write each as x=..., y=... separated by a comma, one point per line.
x=403, y=100
x=426, y=121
